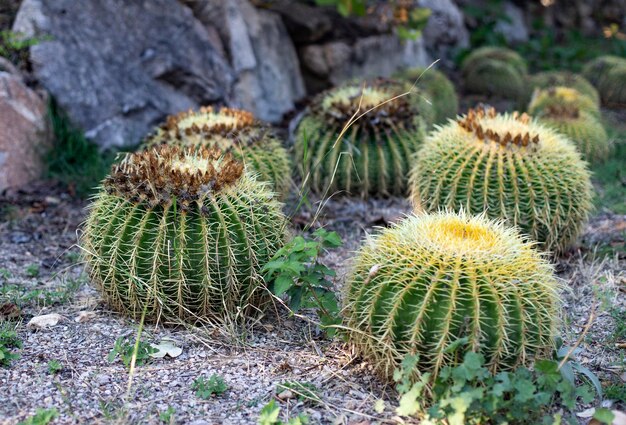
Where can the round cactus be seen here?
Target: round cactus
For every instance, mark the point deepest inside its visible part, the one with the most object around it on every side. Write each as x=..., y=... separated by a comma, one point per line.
x=575, y=116
x=510, y=167
x=495, y=78
x=432, y=281
x=438, y=87
x=548, y=79
x=562, y=98
x=230, y=130
x=372, y=156
x=182, y=234
x=596, y=70
x=499, y=54
x=613, y=86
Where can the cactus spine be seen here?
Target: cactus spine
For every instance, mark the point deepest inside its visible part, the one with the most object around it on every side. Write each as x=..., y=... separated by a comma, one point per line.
x=372, y=156
x=509, y=167
x=230, y=130
x=431, y=280
x=182, y=234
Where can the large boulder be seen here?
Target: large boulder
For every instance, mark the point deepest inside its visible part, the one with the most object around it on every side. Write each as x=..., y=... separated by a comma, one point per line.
x=445, y=30
x=264, y=60
x=331, y=63
x=24, y=132
x=118, y=67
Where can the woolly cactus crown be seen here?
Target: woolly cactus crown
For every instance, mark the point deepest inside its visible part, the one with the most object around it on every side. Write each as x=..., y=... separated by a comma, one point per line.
x=230, y=130
x=562, y=101
x=161, y=175
x=548, y=79
x=431, y=280
x=371, y=157
x=510, y=167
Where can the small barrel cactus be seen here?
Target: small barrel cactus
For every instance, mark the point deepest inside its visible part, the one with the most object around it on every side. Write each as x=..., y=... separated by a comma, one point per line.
x=438, y=87
x=499, y=54
x=230, y=130
x=495, y=78
x=596, y=70
x=573, y=119
x=182, y=234
x=562, y=98
x=548, y=79
x=373, y=155
x=510, y=167
x=443, y=284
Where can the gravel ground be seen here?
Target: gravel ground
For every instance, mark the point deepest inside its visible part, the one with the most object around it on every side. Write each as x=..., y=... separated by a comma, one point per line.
x=40, y=228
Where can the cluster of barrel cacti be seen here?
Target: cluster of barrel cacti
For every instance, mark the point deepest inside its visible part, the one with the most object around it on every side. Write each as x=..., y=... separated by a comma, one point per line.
x=181, y=229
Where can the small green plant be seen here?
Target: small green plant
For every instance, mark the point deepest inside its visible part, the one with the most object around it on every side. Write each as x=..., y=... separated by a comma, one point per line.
x=8, y=342
x=22, y=296
x=270, y=416
x=615, y=392
x=14, y=47
x=125, y=350
x=619, y=318
x=41, y=417
x=168, y=415
x=54, y=367
x=305, y=391
x=73, y=160
x=205, y=388
x=5, y=274
x=470, y=394
x=32, y=270
x=295, y=271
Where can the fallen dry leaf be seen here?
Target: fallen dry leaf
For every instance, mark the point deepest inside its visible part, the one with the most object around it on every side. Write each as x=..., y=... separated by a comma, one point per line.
x=166, y=347
x=285, y=395
x=9, y=311
x=84, y=316
x=44, y=321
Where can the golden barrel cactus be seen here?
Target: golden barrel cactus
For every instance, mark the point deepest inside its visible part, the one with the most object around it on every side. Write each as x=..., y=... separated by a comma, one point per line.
x=510, y=167
x=182, y=234
x=440, y=285
x=373, y=155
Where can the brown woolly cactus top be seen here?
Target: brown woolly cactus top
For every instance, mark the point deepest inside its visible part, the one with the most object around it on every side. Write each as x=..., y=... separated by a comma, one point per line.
x=222, y=127
x=159, y=175
x=383, y=99
x=488, y=126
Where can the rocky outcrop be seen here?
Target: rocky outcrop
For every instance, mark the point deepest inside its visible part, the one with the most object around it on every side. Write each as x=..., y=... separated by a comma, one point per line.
x=513, y=29
x=119, y=67
x=24, y=135
x=331, y=63
x=445, y=30
x=261, y=54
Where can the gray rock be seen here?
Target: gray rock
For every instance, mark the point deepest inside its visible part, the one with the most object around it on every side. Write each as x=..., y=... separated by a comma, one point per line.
x=24, y=133
x=513, y=30
x=377, y=55
x=268, y=78
x=445, y=29
x=119, y=67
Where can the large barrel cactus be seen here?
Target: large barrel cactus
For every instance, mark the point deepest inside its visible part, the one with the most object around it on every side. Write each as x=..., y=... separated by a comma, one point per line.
x=443, y=284
x=438, y=87
x=230, y=130
x=182, y=234
x=510, y=167
x=499, y=54
x=608, y=74
x=373, y=155
x=574, y=116
x=548, y=79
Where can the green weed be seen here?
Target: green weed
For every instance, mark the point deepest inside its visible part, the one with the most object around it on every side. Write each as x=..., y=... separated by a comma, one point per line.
x=205, y=388
x=41, y=417
x=125, y=350
x=270, y=416
x=54, y=367
x=8, y=342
